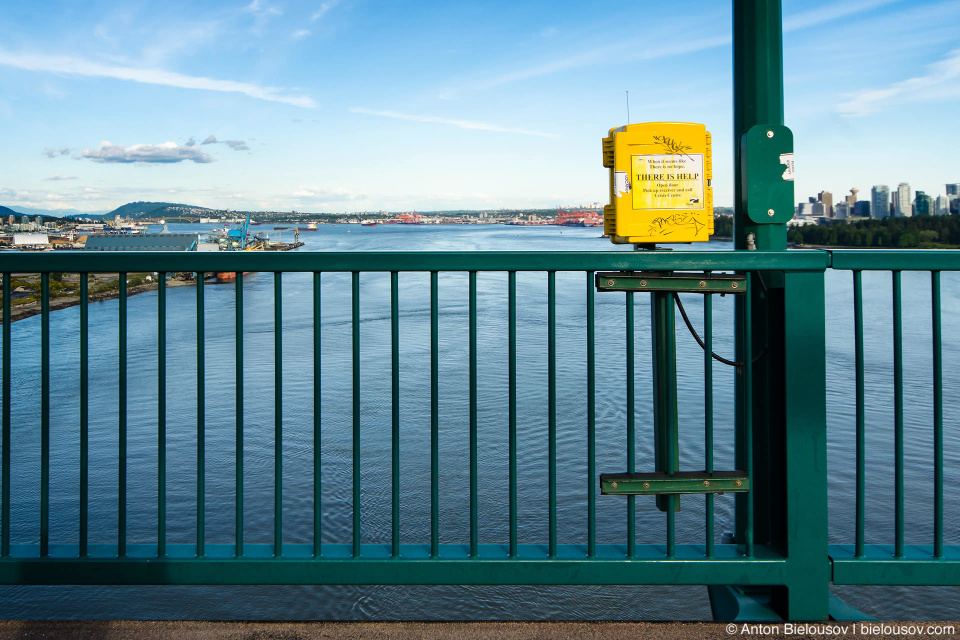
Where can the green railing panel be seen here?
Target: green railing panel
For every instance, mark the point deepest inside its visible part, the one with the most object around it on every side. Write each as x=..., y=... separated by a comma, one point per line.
x=800, y=564
x=896, y=561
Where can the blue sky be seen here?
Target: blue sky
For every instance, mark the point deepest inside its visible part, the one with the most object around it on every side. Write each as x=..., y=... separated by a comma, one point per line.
x=353, y=105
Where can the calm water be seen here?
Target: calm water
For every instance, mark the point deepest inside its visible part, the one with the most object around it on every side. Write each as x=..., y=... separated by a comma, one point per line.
x=436, y=602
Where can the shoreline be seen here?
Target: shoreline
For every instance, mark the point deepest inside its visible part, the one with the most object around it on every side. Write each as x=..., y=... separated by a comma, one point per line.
x=30, y=309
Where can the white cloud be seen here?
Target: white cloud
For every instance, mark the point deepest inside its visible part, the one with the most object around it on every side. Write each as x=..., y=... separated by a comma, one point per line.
x=300, y=33
x=80, y=67
x=335, y=194
x=261, y=9
x=463, y=124
x=942, y=80
x=53, y=153
x=831, y=12
x=61, y=177
x=602, y=55
x=17, y=194
x=236, y=145
x=166, y=153
x=324, y=8
x=652, y=47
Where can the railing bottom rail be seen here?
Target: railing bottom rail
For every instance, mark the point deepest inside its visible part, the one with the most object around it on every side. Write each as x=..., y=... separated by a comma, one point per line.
x=492, y=565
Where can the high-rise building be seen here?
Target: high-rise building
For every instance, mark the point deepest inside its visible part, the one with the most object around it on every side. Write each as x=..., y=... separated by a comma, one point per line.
x=902, y=201
x=880, y=201
x=861, y=209
x=921, y=205
x=852, y=198
x=827, y=199
x=943, y=206
x=953, y=189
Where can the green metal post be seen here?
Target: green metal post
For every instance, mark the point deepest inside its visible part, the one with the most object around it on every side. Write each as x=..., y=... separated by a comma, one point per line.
x=757, y=99
x=277, y=413
x=238, y=490
x=317, y=425
x=666, y=435
x=201, y=419
x=395, y=412
x=5, y=491
x=786, y=395
x=356, y=412
x=805, y=459
x=84, y=411
x=122, y=421
x=44, y=414
x=591, y=420
x=512, y=404
x=162, y=414
x=631, y=422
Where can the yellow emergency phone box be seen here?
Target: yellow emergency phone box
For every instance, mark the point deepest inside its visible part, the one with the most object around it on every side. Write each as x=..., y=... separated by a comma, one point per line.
x=660, y=183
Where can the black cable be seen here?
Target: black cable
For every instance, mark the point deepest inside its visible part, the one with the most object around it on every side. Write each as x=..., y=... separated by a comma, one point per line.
x=718, y=358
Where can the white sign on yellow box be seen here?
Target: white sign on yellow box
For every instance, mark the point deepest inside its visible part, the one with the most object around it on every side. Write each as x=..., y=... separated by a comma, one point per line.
x=660, y=183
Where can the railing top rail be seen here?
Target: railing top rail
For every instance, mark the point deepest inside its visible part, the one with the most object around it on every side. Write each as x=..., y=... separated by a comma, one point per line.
x=896, y=260
x=109, y=262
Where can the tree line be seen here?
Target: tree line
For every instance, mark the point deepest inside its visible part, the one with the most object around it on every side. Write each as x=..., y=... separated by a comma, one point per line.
x=924, y=232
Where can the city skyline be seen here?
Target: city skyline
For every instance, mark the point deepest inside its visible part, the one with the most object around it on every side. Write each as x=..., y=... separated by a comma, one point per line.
x=901, y=202
x=351, y=105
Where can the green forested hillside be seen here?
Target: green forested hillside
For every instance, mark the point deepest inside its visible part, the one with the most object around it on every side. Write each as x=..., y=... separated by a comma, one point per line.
x=917, y=231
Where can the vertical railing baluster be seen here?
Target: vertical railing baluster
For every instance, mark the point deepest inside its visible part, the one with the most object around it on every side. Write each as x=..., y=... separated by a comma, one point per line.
x=860, y=414
x=201, y=418
x=937, y=416
x=708, y=414
x=395, y=411
x=552, y=403
x=670, y=408
x=747, y=359
x=317, y=448
x=474, y=532
x=44, y=414
x=434, y=418
x=161, y=414
x=512, y=403
x=591, y=422
x=5, y=497
x=238, y=377
x=84, y=413
x=277, y=415
x=356, y=414
x=122, y=421
x=898, y=413
x=631, y=425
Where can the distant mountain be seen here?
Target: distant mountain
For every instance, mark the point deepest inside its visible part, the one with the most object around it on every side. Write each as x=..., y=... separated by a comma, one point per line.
x=159, y=210
x=137, y=209
x=53, y=213
x=4, y=212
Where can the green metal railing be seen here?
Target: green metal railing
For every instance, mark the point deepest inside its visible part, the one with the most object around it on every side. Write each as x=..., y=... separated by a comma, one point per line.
x=431, y=561
x=781, y=537
x=898, y=563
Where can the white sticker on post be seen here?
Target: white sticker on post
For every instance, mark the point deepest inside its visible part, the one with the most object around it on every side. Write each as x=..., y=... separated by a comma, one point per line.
x=787, y=159
x=621, y=183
